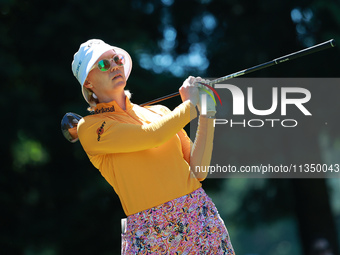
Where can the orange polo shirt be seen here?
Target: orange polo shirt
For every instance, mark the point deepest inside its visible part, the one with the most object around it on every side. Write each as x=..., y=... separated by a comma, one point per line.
x=143, y=153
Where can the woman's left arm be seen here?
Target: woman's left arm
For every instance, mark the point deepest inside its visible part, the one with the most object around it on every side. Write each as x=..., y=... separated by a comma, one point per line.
x=202, y=148
x=198, y=154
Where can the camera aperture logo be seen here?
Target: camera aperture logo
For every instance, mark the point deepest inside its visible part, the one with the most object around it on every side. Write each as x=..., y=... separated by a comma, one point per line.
x=238, y=106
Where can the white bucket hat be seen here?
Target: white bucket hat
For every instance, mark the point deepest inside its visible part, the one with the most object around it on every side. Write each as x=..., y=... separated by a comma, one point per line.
x=88, y=54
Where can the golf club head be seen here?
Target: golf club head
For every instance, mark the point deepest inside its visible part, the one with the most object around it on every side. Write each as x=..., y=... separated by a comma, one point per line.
x=69, y=125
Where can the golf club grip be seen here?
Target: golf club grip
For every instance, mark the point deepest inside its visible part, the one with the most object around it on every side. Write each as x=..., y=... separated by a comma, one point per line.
x=307, y=51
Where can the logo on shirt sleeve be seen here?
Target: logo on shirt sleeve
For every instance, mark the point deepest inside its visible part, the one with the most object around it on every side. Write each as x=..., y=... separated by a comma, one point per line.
x=100, y=131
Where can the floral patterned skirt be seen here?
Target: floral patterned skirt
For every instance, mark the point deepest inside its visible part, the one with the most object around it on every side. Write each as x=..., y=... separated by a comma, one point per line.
x=186, y=225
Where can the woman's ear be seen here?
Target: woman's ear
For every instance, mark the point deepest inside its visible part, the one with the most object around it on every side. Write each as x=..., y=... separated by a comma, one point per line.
x=87, y=84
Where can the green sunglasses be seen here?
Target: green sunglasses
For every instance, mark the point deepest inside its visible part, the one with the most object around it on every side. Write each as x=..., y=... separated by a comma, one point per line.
x=105, y=64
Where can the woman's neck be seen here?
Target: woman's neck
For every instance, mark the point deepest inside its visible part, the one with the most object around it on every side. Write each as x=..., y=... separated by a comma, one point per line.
x=121, y=101
x=119, y=98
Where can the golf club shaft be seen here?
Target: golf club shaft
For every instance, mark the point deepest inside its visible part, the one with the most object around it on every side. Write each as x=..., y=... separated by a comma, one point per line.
x=294, y=55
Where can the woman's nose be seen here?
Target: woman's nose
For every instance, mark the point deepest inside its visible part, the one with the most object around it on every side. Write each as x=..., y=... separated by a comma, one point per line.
x=114, y=65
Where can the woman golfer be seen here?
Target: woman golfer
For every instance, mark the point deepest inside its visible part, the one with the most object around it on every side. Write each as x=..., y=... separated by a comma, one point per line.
x=145, y=155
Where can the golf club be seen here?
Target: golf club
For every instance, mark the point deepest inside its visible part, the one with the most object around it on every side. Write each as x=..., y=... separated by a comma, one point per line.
x=70, y=120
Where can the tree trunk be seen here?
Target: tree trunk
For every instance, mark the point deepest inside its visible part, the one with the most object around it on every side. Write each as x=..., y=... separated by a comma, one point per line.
x=315, y=220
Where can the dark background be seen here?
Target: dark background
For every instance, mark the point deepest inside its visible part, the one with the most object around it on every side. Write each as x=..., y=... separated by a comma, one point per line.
x=53, y=201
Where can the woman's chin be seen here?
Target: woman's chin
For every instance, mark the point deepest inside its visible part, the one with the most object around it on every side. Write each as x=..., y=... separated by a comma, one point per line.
x=119, y=82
